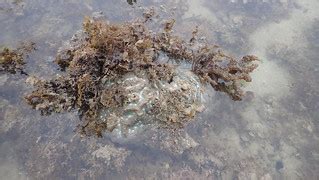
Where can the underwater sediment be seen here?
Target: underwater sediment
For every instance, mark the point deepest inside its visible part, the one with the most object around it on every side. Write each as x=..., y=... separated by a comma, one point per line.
x=125, y=77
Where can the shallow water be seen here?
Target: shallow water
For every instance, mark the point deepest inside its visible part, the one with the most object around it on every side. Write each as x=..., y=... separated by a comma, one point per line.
x=272, y=134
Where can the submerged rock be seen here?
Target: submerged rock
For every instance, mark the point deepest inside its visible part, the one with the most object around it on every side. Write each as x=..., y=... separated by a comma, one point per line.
x=146, y=103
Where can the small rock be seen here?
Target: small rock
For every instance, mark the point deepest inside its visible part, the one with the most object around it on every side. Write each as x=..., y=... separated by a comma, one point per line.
x=32, y=80
x=244, y=138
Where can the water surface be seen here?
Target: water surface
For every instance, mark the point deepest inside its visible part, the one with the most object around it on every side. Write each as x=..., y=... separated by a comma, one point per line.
x=272, y=134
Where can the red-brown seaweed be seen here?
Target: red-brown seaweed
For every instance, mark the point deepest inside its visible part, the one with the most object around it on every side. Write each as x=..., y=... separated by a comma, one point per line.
x=105, y=54
x=12, y=60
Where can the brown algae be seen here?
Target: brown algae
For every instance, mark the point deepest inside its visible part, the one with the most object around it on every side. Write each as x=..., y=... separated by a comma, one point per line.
x=12, y=60
x=124, y=77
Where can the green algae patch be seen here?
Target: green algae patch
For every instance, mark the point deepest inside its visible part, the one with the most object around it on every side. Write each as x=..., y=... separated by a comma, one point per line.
x=124, y=77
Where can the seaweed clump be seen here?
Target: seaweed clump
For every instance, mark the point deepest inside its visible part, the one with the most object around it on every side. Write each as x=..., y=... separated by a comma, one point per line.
x=118, y=81
x=12, y=61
